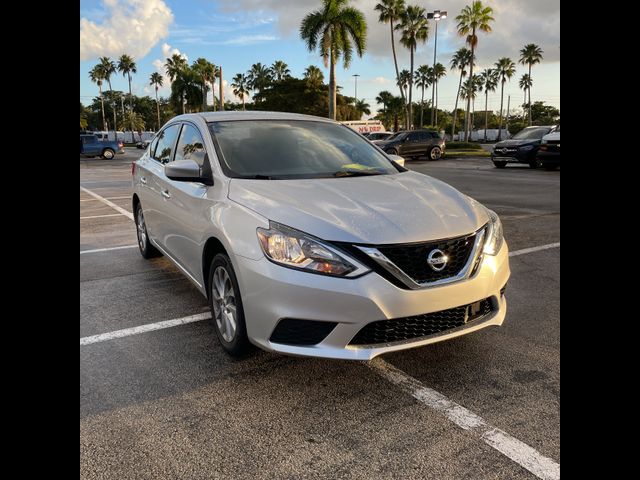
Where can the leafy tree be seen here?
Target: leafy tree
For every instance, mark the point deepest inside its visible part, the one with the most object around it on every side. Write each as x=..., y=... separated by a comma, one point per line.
x=362, y=107
x=206, y=72
x=489, y=79
x=415, y=29
x=156, y=80
x=279, y=70
x=391, y=11
x=127, y=66
x=132, y=119
x=438, y=71
x=403, y=82
x=335, y=29
x=530, y=55
x=314, y=76
x=108, y=68
x=423, y=77
x=505, y=69
x=174, y=66
x=383, y=98
x=473, y=18
x=525, y=84
x=186, y=90
x=259, y=77
x=460, y=61
x=240, y=87
x=97, y=76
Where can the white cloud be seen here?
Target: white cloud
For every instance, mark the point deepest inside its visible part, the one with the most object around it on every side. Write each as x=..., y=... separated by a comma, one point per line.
x=249, y=40
x=130, y=26
x=381, y=80
x=167, y=52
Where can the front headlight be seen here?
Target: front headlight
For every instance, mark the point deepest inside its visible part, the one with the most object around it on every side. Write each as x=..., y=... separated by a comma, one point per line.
x=494, y=240
x=526, y=148
x=288, y=247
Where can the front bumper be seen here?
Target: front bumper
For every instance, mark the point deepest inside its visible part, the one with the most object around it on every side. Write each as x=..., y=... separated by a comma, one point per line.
x=549, y=157
x=514, y=157
x=271, y=293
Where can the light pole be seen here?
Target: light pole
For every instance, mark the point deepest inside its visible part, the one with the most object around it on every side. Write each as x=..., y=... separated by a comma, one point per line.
x=436, y=15
x=356, y=87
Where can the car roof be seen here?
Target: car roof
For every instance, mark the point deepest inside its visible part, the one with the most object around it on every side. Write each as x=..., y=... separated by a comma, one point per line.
x=251, y=115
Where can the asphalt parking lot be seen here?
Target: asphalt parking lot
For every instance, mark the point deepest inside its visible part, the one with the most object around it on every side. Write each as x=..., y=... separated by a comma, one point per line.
x=170, y=403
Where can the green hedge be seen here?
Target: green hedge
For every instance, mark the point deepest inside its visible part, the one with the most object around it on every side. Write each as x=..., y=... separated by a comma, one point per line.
x=463, y=146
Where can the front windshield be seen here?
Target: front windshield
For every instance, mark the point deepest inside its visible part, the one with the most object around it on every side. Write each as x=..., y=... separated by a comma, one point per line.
x=531, y=133
x=284, y=149
x=396, y=136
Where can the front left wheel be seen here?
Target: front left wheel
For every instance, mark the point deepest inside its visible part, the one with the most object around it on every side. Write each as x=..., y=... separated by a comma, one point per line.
x=226, y=307
x=535, y=163
x=435, y=153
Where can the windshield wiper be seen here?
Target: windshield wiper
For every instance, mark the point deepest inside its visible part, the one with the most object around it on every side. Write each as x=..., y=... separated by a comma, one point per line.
x=356, y=173
x=261, y=177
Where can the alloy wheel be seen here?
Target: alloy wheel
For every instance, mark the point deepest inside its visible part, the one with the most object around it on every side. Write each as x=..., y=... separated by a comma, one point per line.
x=224, y=304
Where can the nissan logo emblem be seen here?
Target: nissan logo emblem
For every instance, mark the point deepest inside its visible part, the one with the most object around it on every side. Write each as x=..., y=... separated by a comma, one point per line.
x=437, y=260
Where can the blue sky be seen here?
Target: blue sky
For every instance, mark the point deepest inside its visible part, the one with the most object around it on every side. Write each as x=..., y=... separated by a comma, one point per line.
x=238, y=33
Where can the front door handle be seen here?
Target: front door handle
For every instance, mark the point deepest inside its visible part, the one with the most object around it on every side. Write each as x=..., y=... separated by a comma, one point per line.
x=143, y=180
x=166, y=194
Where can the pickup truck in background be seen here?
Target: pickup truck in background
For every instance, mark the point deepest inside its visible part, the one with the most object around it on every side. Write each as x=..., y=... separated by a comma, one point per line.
x=90, y=146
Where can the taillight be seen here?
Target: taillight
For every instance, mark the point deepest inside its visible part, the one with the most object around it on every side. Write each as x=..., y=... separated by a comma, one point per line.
x=133, y=168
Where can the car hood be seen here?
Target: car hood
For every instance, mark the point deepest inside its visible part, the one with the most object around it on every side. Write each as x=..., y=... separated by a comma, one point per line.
x=399, y=208
x=515, y=143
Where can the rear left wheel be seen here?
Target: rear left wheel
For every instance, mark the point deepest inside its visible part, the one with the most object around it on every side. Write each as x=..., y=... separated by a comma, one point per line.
x=146, y=249
x=535, y=163
x=226, y=307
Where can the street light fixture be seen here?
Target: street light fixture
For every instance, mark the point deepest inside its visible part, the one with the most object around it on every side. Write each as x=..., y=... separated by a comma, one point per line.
x=356, y=88
x=436, y=15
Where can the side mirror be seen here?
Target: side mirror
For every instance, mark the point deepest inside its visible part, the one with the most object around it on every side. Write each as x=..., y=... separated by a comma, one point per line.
x=397, y=159
x=186, y=171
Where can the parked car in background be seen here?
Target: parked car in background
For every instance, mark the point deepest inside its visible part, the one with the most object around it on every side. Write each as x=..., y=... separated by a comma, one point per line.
x=142, y=145
x=549, y=152
x=90, y=146
x=308, y=240
x=414, y=143
x=377, y=135
x=521, y=148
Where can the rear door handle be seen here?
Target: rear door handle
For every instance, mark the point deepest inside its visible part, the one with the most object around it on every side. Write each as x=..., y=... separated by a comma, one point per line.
x=166, y=194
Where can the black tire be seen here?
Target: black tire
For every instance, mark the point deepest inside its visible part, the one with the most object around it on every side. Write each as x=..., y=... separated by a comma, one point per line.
x=499, y=164
x=238, y=345
x=393, y=151
x=535, y=163
x=144, y=245
x=434, y=153
x=108, y=154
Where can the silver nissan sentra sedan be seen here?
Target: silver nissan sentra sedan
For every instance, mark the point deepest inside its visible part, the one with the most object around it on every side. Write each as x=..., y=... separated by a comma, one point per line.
x=308, y=240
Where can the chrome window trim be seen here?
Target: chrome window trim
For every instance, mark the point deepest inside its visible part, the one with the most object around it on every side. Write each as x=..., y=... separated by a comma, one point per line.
x=465, y=272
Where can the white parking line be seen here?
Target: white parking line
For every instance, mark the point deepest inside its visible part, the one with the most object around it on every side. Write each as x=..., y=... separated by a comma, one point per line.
x=149, y=327
x=534, y=249
x=100, y=216
x=521, y=453
x=107, y=198
x=107, y=202
x=96, y=250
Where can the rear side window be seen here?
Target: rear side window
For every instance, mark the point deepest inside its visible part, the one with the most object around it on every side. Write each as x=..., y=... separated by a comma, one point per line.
x=164, y=144
x=190, y=146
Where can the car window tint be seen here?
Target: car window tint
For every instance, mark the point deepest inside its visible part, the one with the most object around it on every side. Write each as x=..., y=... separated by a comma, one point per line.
x=165, y=142
x=190, y=146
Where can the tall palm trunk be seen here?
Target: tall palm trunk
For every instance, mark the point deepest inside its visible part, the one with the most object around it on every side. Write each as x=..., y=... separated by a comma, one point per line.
x=455, y=109
x=131, y=106
x=501, y=104
x=410, y=122
x=422, y=107
x=529, y=88
x=395, y=62
x=467, y=116
x=104, y=122
x=242, y=102
x=435, y=116
x=332, y=86
x=158, y=107
x=204, y=95
x=115, y=133
x=182, y=100
x=486, y=113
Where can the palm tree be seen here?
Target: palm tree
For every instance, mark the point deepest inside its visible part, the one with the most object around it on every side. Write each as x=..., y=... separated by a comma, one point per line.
x=525, y=84
x=384, y=97
x=187, y=89
x=335, y=29
x=259, y=77
x=471, y=19
x=156, y=80
x=390, y=12
x=314, y=77
x=438, y=71
x=395, y=106
x=530, y=55
x=363, y=107
x=469, y=91
x=415, y=28
x=403, y=81
x=280, y=70
x=97, y=76
x=422, y=78
x=205, y=70
x=127, y=66
x=489, y=79
x=506, y=69
x=134, y=120
x=460, y=60
x=239, y=83
x=108, y=68
x=173, y=66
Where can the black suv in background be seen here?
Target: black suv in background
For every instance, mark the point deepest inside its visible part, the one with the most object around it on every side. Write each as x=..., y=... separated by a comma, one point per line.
x=521, y=148
x=415, y=143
